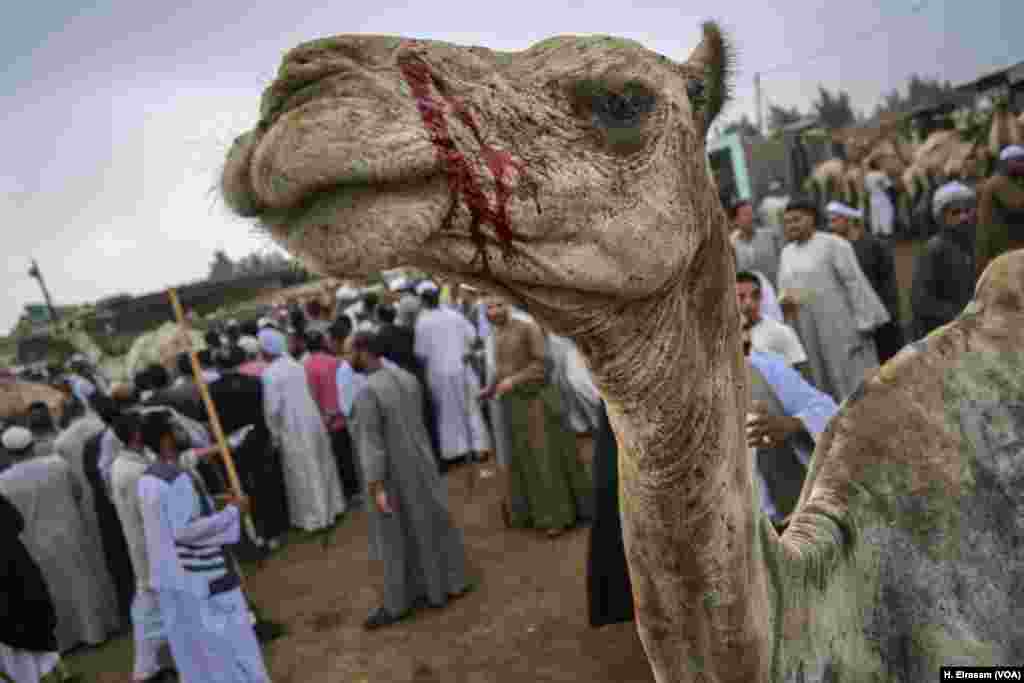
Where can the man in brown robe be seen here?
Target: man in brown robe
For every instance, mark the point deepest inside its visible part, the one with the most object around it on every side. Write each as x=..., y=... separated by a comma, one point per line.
x=547, y=487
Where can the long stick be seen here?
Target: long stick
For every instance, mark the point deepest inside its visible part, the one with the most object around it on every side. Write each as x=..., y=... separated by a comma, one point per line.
x=229, y=463
x=211, y=410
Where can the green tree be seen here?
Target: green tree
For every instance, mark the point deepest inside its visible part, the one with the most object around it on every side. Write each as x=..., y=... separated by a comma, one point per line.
x=780, y=117
x=743, y=126
x=222, y=267
x=834, y=111
x=921, y=91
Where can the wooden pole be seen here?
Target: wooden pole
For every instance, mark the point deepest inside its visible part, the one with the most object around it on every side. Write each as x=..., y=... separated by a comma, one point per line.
x=275, y=630
x=211, y=410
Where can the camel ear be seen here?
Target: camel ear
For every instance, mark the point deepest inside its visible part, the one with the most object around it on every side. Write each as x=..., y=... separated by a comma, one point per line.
x=713, y=60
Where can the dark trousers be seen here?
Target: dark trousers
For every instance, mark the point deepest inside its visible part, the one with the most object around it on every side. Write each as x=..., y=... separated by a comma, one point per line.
x=341, y=445
x=888, y=340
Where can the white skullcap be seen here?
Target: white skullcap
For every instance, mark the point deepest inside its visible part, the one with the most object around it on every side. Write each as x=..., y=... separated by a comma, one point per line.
x=407, y=307
x=1012, y=152
x=346, y=293
x=17, y=439
x=840, y=209
x=249, y=344
x=425, y=286
x=272, y=342
x=398, y=284
x=947, y=194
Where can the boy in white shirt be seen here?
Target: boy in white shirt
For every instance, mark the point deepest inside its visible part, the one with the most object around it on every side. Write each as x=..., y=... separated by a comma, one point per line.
x=767, y=335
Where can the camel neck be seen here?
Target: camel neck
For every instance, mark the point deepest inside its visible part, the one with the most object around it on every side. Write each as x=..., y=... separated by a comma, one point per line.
x=675, y=384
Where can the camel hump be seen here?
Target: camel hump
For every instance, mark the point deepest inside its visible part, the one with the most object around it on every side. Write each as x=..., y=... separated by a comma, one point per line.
x=1000, y=288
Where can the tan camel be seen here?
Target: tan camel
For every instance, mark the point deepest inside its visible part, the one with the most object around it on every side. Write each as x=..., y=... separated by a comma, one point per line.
x=1005, y=129
x=571, y=178
x=17, y=395
x=944, y=155
x=844, y=179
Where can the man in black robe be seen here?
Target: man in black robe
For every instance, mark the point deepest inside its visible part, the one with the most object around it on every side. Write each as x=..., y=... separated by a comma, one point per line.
x=115, y=547
x=944, y=273
x=31, y=618
x=238, y=400
x=876, y=260
x=609, y=591
x=183, y=395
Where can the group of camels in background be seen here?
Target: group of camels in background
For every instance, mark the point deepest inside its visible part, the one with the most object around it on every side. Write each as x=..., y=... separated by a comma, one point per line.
x=913, y=168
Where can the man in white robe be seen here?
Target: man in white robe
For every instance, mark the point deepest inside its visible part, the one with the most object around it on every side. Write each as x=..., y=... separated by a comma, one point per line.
x=878, y=185
x=315, y=498
x=206, y=617
x=837, y=309
x=131, y=461
x=442, y=340
x=46, y=494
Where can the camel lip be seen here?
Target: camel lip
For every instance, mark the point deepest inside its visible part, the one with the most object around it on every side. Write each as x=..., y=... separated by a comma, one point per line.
x=308, y=202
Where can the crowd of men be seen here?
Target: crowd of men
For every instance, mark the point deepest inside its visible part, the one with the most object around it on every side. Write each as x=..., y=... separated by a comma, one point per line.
x=357, y=404
x=122, y=518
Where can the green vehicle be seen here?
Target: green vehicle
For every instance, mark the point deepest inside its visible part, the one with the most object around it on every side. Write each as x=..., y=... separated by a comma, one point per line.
x=745, y=166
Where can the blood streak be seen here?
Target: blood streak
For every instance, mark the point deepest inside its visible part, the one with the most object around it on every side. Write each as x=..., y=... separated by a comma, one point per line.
x=463, y=183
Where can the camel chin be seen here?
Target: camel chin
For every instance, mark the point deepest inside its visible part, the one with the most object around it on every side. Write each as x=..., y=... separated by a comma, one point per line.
x=357, y=230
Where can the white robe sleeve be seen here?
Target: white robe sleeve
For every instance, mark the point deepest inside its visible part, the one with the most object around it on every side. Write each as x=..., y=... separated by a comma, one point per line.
x=273, y=404
x=220, y=528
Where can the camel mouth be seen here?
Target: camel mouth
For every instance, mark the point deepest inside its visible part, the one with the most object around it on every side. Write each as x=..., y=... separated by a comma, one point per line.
x=321, y=146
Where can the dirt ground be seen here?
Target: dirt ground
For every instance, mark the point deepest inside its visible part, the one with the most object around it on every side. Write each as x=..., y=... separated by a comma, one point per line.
x=526, y=620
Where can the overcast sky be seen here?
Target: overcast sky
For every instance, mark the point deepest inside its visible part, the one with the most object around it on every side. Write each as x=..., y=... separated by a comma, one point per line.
x=117, y=114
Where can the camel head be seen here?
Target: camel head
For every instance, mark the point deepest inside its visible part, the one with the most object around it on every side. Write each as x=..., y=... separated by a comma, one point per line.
x=575, y=166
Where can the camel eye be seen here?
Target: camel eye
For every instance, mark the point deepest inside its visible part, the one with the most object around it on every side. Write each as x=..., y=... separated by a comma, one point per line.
x=695, y=91
x=623, y=110
x=622, y=107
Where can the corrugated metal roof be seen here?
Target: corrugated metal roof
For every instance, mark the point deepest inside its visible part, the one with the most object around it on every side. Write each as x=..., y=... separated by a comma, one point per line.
x=1012, y=74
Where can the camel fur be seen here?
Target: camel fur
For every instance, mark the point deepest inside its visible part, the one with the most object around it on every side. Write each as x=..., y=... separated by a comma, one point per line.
x=571, y=179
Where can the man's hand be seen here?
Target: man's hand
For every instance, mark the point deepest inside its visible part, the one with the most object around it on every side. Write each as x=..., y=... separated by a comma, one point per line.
x=241, y=502
x=487, y=393
x=503, y=387
x=768, y=431
x=383, y=502
x=208, y=451
x=790, y=307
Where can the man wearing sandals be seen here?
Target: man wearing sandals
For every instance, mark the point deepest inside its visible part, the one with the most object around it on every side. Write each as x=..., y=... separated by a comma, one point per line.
x=411, y=530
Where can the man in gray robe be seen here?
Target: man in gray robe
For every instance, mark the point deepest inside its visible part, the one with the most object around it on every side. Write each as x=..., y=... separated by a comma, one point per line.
x=70, y=445
x=756, y=248
x=411, y=529
x=830, y=302
x=46, y=494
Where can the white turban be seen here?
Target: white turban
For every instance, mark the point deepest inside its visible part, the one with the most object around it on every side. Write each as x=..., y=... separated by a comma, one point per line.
x=1012, y=152
x=840, y=209
x=17, y=439
x=249, y=344
x=426, y=286
x=347, y=293
x=408, y=307
x=947, y=194
x=272, y=342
